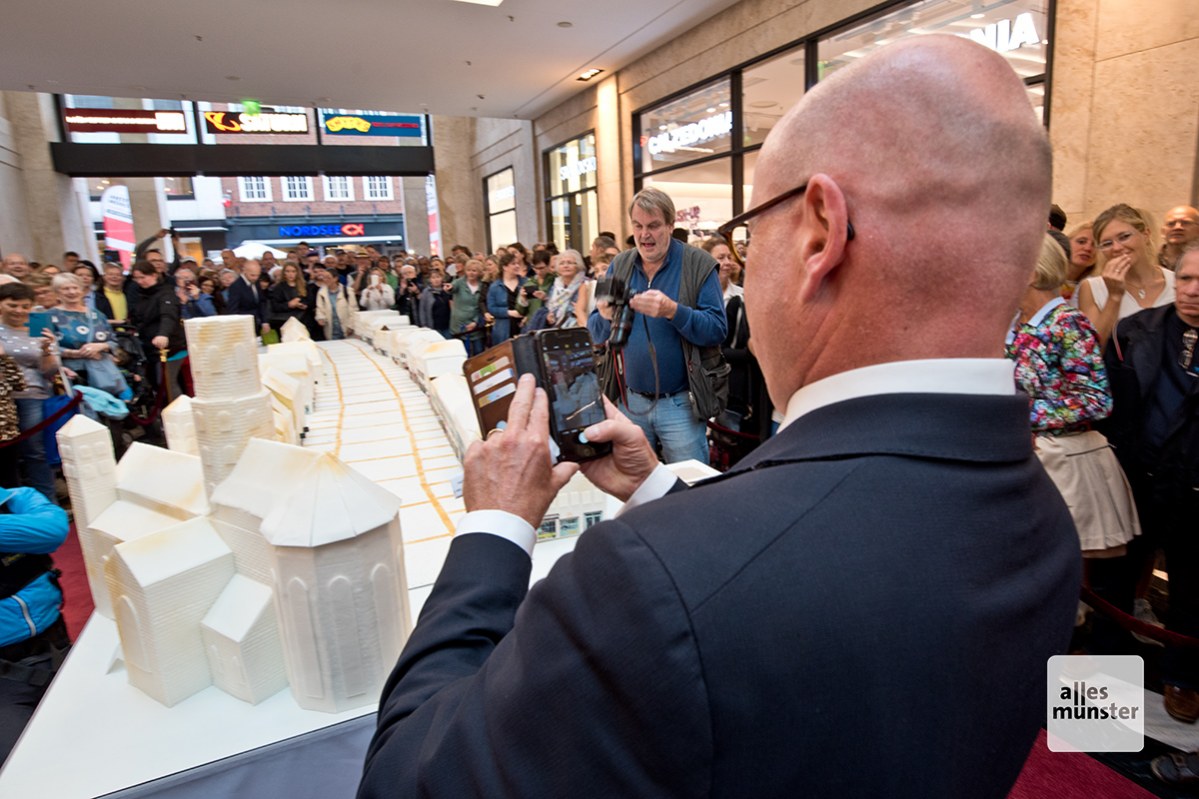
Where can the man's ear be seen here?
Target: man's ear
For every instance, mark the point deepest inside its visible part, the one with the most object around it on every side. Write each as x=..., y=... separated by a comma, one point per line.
x=824, y=232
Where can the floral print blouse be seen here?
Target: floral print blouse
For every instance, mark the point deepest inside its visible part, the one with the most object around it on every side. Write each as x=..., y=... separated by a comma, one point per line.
x=12, y=380
x=1059, y=364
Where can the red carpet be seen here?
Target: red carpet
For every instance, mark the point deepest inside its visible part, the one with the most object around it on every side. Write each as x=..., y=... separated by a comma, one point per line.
x=77, y=595
x=1071, y=775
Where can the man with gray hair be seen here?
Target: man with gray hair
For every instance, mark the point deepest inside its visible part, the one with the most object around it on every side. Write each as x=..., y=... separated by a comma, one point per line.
x=17, y=265
x=679, y=312
x=865, y=605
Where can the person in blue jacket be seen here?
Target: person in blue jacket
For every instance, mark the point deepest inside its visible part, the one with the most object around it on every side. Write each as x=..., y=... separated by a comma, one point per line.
x=33, y=636
x=502, y=300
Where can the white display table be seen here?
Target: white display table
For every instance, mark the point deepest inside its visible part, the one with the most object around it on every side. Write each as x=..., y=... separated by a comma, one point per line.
x=96, y=735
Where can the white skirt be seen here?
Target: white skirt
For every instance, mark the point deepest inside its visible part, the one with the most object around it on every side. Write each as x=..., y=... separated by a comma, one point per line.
x=1086, y=472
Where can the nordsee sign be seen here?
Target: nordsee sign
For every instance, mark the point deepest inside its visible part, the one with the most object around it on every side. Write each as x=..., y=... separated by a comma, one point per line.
x=706, y=129
x=348, y=229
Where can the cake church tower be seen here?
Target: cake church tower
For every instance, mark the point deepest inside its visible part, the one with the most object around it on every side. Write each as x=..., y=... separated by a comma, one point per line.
x=231, y=405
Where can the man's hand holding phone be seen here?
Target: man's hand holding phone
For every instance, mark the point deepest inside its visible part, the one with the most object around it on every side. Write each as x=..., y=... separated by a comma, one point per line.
x=512, y=470
x=632, y=459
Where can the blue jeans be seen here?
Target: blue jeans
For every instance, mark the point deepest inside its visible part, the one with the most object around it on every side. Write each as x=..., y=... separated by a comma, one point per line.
x=33, y=450
x=669, y=420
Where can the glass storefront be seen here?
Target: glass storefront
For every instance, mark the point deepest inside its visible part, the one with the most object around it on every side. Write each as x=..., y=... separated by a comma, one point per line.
x=572, y=213
x=500, y=192
x=686, y=145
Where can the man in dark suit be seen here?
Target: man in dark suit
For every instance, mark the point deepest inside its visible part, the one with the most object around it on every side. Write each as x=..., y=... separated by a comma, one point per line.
x=864, y=606
x=244, y=297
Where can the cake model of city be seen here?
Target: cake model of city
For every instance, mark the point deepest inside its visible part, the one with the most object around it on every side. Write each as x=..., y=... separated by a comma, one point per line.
x=234, y=559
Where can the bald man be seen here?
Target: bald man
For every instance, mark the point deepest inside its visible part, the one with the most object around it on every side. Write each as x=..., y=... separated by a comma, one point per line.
x=862, y=607
x=17, y=265
x=1179, y=229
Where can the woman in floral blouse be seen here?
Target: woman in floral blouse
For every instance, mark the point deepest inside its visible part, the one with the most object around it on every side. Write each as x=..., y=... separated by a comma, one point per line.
x=1059, y=364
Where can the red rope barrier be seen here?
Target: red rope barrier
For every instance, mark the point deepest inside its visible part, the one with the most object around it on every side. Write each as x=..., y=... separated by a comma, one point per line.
x=1135, y=625
x=44, y=423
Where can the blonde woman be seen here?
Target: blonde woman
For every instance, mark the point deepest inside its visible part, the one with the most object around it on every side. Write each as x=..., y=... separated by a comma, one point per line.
x=1082, y=260
x=1131, y=279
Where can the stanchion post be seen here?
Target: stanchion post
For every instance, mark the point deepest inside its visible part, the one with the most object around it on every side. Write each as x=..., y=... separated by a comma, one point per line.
x=166, y=375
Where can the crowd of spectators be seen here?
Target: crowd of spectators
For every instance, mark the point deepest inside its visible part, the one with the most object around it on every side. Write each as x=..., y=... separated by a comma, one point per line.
x=1103, y=343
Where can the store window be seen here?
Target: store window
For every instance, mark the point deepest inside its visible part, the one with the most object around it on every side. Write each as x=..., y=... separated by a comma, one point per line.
x=254, y=190
x=696, y=125
x=768, y=90
x=339, y=188
x=178, y=188
x=499, y=191
x=702, y=195
x=378, y=187
x=1016, y=29
x=571, y=208
x=687, y=148
x=297, y=188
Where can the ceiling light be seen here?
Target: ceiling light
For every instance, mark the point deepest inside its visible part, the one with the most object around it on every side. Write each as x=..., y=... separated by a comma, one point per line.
x=977, y=16
x=565, y=24
x=589, y=74
x=482, y=2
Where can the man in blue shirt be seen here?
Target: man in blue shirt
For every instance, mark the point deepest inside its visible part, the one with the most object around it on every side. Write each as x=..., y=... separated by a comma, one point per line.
x=652, y=367
x=33, y=638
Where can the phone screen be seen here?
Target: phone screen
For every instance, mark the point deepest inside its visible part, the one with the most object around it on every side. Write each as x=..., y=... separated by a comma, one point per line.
x=39, y=321
x=570, y=373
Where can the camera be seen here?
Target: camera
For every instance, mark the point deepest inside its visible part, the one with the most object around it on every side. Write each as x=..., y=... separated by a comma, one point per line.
x=616, y=293
x=530, y=289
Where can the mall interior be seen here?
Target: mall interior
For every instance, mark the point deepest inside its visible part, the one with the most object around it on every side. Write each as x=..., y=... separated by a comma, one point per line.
x=424, y=124
x=1112, y=80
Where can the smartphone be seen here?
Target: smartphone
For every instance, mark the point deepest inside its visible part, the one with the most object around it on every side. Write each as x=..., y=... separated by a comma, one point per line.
x=563, y=363
x=567, y=366
x=39, y=321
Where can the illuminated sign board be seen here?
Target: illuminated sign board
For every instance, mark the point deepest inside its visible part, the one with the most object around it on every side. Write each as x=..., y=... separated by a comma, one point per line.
x=267, y=122
x=122, y=120
x=713, y=127
x=407, y=125
x=576, y=169
x=298, y=231
x=1008, y=34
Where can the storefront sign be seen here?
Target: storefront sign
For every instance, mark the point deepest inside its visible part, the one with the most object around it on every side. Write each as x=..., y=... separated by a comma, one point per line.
x=269, y=122
x=122, y=120
x=1008, y=34
x=576, y=169
x=117, y=213
x=373, y=125
x=713, y=127
x=299, y=231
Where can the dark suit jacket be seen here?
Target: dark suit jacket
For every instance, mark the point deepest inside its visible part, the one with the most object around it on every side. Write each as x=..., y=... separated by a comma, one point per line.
x=1162, y=464
x=864, y=606
x=240, y=300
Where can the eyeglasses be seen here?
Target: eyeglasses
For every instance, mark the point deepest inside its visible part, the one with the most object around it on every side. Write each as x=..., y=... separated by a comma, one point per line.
x=728, y=231
x=1180, y=223
x=1121, y=238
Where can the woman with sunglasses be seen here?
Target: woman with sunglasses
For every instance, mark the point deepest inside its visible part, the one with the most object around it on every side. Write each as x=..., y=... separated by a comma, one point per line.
x=1131, y=279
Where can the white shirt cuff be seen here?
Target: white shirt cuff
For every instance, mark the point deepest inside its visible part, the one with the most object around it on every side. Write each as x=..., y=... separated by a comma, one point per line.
x=659, y=482
x=500, y=523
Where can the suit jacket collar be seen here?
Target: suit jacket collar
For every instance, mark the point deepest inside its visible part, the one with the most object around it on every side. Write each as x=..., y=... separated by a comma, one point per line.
x=963, y=427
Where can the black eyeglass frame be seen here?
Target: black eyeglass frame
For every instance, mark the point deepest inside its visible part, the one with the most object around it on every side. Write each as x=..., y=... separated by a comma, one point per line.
x=725, y=231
